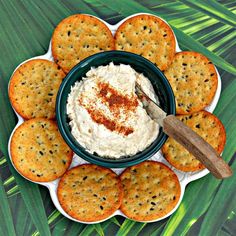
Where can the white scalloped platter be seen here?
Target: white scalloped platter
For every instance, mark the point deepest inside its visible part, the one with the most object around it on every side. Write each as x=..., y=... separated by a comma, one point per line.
x=183, y=177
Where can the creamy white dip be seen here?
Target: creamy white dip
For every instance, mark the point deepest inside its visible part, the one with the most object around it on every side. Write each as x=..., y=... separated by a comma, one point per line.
x=105, y=114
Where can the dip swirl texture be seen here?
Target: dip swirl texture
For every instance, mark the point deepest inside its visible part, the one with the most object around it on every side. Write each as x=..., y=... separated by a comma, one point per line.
x=105, y=114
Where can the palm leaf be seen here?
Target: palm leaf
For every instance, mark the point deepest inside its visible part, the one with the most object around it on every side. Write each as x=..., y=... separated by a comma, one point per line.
x=113, y=226
x=32, y=199
x=226, y=191
x=54, y=216
x=152, y=228
x=87, y=230
x=13, y=191
x=115, y=221
x=9, y=181
x=158, y=230
x=204, y=26
x=29, y=192
x=22, y=220
x=63, y=225
x=72, y=7
x=190, y=44
x=190, y=209
x=3, y=161
x=105, y=226
x=230, y=225
x=130, y=227
x=60, y=229
x=126, y=227
x=31, y=195
x=6, y=226
x=185, y=40
x=99, y=229
x=75, y=229
x=213, y=9
x=223, y=233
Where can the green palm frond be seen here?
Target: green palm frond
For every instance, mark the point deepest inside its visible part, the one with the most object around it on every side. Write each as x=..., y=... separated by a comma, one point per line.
x=75, y=229
x=33, y=201
x=60, y=229
x=186, y=41
x=230, y=224
x=64, y=225
x=6, y=226
x=99, y=229
x=158, y=230
x=130, y=227
x=190, y=209
x=9, y=181
x=115, y=221
x=104, y=226
x=54, y=216
x=22, y=221
x=213, y=9
x=13, y=191
x=87, y=230
x=222, y=232
x=204, y=26
x=3, y=161
x=226, y=192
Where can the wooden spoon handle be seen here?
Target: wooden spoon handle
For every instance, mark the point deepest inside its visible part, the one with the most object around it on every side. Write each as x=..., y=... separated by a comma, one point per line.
x=196, y=145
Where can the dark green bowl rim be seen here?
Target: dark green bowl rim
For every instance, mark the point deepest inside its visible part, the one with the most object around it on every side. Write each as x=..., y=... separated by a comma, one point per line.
x=78, y=149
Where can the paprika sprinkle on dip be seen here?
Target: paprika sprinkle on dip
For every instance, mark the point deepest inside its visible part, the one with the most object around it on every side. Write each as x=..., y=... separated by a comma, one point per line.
x=116, y=100
x=105, y=114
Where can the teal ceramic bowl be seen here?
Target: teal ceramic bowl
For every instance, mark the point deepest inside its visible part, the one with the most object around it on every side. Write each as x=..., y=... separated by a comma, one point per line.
x=141, y=65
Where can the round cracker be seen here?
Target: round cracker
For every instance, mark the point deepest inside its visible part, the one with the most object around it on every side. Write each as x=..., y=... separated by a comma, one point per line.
x=151, y=191
x=38, y=151
x=33, y=88
x=209, y=127
x=193, y=79
x=148, y=36
x=90, y=193
x=77, y=37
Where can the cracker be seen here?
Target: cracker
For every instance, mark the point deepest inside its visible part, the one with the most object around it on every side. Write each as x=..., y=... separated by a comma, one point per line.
x=38, y=151
x=148, y=36
x=193, y=79
x=33, y=88
x=151, y=190
x=77, y=37
x=90, y=193
x=209, y=127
